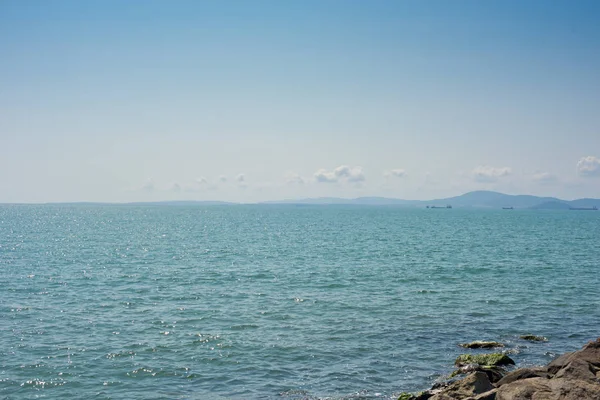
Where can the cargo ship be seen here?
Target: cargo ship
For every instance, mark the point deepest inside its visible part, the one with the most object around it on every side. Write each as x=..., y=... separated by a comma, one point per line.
x=584, y=208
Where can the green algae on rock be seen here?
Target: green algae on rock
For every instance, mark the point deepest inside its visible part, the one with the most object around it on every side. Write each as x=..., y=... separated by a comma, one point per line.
x=490, y=359
x=571, y=376
x=472, y=385
x=494, y=373
x=424, y=395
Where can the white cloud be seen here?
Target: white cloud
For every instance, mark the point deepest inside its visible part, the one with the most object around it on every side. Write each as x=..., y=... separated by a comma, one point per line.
x=544, y=177
x=398, y=173
x=341, y=173
x=354, y=174
x=241, y=181
x=323, y=175
x=484, y=173
x=588, y=166
x=202, y=184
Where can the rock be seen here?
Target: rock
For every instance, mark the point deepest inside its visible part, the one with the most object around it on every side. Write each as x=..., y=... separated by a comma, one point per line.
x=579, y=369
x=523, y=389
x=523, y=373
x=572, y=376
x=474, y=384
x=425, y=395
x=491, y=359
x=491, y=395
x=494, y=373
x=548, y=389
x=590, y=353
x=566, y=389
x=481, y=345
x=418, y=396
x=559, y=363
x=534, y=338
x=440, y=385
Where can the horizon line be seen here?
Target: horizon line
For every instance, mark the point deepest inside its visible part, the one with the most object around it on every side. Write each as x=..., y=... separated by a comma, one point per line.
x=287, y=201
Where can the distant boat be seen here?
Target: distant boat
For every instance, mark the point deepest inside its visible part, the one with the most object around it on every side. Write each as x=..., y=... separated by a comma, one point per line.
x=447, y=206
x=594, y=208
x=508, y=208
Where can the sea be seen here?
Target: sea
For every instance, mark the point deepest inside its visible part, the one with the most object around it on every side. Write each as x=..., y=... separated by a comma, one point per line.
x=282, y=301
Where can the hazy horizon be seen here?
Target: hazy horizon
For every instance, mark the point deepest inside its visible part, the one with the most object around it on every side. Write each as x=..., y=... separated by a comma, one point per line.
x=107, y=101
x=299, y=200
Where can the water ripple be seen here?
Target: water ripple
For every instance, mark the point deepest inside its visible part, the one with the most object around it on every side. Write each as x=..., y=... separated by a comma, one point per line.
x=256, y=302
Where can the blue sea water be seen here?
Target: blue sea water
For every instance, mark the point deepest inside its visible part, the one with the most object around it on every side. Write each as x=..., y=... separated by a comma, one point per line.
x=281, y=302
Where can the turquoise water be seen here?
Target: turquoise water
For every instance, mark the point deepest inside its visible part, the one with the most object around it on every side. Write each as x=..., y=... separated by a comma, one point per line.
x=281, y=302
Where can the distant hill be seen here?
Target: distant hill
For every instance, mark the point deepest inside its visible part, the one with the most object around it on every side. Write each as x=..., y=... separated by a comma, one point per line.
x=490, y=199
x=498, y=200
x=586, y=203
x=479, y=199
x=476, y=199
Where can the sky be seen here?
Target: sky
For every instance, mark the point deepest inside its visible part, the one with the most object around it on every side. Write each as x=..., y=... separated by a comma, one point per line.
x=245, y=101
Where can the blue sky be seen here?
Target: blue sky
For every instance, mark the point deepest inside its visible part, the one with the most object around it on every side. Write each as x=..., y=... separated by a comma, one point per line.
x=249, y=101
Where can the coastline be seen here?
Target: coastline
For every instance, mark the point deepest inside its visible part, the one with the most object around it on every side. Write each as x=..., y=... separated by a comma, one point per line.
x=484, y=376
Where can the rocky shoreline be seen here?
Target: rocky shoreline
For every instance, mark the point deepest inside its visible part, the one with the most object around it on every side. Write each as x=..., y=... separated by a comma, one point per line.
x=572, y=376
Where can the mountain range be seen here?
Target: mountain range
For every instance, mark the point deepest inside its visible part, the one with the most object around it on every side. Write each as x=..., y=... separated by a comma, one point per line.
x=481, y=199
x=476, y=199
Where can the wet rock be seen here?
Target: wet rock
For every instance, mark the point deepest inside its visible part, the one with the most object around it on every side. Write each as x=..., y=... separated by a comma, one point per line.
x=425, y=395
x=481, y=345
x=534, y=338
x=406, y=396
x=491, y=359
x=572, y=376
x=440, y=385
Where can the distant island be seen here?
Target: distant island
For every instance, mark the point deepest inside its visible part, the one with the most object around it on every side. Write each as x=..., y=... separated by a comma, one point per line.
x=476, y=199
